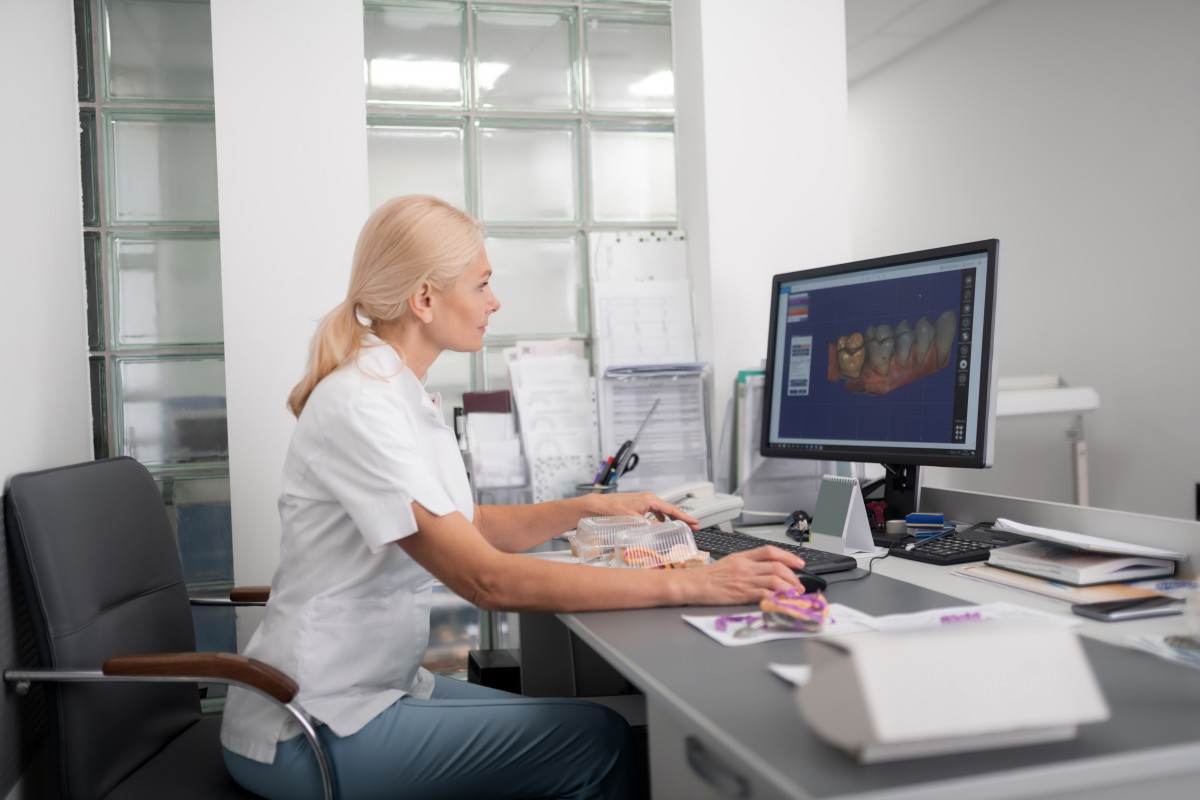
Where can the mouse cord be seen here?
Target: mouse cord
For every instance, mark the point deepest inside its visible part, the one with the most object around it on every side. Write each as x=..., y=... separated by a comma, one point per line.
x=869, y=571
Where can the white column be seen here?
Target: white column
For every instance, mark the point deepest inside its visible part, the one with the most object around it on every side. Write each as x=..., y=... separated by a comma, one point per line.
x=763, y=164
x=292, y=173
x=44, y=410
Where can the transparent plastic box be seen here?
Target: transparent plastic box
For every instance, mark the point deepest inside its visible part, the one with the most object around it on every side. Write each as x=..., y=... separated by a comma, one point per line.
x=668, y=545
x=595, y=537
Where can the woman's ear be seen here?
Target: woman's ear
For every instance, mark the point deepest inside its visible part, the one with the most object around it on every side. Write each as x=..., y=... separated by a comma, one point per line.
x=421, y=303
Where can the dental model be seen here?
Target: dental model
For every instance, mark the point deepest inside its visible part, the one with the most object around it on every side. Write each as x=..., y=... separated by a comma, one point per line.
x=887, y=358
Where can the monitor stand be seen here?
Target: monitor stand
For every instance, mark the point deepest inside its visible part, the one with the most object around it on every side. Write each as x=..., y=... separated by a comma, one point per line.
x=901, y=490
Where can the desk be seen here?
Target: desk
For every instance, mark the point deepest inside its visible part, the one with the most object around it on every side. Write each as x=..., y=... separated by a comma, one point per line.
x=721, y=710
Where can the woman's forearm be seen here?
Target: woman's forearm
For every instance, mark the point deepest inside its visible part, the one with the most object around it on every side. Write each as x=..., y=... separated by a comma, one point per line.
x=453, y=550
x=515, y=529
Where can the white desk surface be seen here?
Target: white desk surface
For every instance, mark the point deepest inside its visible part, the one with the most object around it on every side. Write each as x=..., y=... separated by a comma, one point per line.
x=1149, y=748
x=942, y=579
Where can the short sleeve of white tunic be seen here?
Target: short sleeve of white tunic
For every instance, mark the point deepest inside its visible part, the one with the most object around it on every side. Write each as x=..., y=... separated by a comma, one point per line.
x=349, y=611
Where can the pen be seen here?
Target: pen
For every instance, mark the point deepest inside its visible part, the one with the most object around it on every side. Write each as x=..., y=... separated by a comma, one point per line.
x=944, y=532
x=604, y=465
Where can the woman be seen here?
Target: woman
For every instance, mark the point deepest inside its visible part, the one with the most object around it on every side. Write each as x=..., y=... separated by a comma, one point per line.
x=375, y=505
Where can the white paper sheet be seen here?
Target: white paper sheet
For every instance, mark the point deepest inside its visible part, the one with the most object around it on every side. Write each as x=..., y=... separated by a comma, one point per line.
x=843, y=619
x=643, y=322
x=619, y=256
x=1081, y=541
x=673, y=447
x=555, y=401
x=495, y=450
x=797, y=674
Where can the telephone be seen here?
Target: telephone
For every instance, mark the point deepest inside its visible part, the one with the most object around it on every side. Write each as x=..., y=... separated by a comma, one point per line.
x=699, y=500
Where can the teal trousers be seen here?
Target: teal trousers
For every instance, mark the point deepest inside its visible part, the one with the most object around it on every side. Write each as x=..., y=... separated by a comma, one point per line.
x=466, y=741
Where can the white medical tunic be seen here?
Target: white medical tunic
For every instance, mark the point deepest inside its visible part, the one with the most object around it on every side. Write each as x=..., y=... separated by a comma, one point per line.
x=348, y=616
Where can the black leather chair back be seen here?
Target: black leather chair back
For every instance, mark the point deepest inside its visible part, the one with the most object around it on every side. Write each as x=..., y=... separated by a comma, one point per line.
x=96, y=553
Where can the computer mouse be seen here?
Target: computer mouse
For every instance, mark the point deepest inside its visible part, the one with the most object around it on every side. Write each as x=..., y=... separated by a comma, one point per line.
x=810, y=582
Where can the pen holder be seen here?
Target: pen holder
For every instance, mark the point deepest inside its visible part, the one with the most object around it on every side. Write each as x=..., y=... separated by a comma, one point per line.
x=583, y=489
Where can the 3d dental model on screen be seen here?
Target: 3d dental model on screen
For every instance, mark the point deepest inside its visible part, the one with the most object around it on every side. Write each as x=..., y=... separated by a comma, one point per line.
x=888, y=358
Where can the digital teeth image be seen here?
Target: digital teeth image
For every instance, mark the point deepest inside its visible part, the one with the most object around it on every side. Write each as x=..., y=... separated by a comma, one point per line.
x=886, y=357
x=851, y=353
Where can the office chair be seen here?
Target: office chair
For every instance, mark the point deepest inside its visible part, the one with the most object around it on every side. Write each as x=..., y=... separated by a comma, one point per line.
x=112, y=623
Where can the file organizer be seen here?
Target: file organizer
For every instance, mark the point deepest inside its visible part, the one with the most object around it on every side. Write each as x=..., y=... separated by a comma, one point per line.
x=674, y=447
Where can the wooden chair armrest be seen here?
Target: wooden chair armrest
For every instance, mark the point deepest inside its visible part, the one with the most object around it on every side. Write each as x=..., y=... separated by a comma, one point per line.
x=226, y=666
x=250, y=594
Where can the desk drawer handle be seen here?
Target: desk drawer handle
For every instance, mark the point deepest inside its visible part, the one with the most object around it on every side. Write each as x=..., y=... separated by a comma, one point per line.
x=715, y=774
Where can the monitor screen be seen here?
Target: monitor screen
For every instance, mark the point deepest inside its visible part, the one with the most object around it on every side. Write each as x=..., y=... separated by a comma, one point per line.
x=885, y=360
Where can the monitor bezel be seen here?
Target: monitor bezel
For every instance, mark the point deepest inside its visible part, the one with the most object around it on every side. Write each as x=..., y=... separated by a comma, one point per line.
x=985, y=423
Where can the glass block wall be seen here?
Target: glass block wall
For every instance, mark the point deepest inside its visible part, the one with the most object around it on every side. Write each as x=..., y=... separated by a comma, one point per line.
x=549, y=122
x=153, y=271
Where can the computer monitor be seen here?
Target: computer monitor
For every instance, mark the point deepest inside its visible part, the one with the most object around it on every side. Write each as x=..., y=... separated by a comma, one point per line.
x=886, y=360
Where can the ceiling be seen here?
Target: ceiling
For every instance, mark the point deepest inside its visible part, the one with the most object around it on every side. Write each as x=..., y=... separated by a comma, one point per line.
x=880, y=31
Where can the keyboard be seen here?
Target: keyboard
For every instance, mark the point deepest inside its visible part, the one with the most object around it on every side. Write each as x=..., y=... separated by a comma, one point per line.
x=721, y=543
x=956, y=548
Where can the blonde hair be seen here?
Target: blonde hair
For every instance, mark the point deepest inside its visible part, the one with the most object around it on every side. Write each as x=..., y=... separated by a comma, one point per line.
x=409, y=241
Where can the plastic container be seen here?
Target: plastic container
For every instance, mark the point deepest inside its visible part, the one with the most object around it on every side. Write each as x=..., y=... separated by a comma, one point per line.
x=595, y=537
x=668, y=545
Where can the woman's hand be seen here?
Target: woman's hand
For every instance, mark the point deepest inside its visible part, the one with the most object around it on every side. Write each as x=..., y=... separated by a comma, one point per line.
x=635, y=504
x=745, y=577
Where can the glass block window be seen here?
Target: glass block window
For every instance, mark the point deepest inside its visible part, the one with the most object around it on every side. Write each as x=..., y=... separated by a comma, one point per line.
x=152, y=269
x=151, y=236
x=546, y=120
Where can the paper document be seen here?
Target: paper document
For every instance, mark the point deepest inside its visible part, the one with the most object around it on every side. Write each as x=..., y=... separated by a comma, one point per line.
x=1080, y=541
x=843, y=619
x=724, y=627
x=557, y=416
x=495, y=450
x=988, y=612
x=673, y=449
x=647, y=322
x=641, y=298
x=1163, y=647
x=796, y=674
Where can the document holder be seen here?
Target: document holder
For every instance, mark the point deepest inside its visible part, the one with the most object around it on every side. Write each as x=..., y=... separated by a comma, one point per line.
x=839, y=523
x=998, y=685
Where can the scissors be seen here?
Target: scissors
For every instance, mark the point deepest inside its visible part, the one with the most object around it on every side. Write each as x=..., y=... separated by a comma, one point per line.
x=626, y=459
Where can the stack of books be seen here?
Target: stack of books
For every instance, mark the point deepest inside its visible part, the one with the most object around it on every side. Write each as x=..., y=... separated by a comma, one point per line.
x=923, y=524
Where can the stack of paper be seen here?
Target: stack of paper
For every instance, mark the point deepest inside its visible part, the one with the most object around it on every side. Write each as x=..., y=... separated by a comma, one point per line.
x=1079, y=559
x=1075, y=566
x=556, y=409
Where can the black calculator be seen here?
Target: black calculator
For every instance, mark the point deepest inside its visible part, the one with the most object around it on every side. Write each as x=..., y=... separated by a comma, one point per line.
x=962, y=547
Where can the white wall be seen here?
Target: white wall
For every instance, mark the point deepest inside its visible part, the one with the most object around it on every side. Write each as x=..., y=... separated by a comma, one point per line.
x=44, y=408
x=45, y=414
x=763, y=162
x=292, y=182
x=1070, y=130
